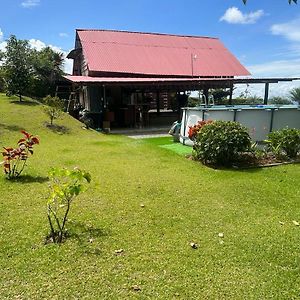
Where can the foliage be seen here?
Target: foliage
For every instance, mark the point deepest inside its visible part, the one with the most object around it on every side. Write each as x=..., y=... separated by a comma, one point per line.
x=2, y=79
x=285, y=141
x=28, y=71
x=47, y=66
x=65, y=186
x=54, y=107
x=17, y=66
x=193, y=101
x=193, y=130
x=279, y=101
x=14, y=159
x=220, y=96
x=295, y=95
x=221, y=142
x=247, y=100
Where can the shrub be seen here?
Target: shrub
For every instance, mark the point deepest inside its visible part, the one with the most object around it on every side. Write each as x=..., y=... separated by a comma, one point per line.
x=54, y=107
x=193, y=130
x=279, y=101
x=285, y=141
x=15, y=158
x=221, y=142
x=65, y=186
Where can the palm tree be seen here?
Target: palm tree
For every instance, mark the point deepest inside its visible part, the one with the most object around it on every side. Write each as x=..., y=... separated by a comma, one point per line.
x=295, y=95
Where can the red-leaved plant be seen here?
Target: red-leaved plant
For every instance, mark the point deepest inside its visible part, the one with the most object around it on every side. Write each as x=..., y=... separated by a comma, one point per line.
x=14, y=159
x=193, y=130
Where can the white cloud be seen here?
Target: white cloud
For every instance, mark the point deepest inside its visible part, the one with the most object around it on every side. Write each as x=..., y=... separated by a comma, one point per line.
x=3, y=46
x=289, y=30
x=280, y=68
x=30, y=3
x=39, y=45
x=2, y=43
x=63, y=34
x=234, y=16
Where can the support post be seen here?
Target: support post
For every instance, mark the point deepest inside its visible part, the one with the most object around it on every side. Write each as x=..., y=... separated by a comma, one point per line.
x=205, y=93
x=231, y=93
x=104, y=97
x=267, y=85
x=157, y=102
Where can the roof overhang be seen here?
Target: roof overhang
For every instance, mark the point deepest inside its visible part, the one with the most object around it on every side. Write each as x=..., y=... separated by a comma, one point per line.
x=157, y=81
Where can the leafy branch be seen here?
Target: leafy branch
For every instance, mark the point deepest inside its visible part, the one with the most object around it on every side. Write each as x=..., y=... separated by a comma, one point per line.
x=65, y=186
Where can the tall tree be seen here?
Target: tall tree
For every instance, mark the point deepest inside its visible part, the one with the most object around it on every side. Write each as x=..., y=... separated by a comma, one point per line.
x=17, y=66
x=47, y=66
x=2, y=80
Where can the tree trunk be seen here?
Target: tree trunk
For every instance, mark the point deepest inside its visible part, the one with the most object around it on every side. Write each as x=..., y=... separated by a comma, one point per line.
x=20, y=97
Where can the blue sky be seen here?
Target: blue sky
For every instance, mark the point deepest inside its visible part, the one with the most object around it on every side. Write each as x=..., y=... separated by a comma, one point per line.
x=264, y=34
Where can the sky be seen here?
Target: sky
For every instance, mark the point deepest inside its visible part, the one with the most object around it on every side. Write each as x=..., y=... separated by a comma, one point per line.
x=264, y=35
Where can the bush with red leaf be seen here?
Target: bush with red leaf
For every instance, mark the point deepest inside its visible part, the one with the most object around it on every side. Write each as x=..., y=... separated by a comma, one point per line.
x=14, y=159
x=193, y=130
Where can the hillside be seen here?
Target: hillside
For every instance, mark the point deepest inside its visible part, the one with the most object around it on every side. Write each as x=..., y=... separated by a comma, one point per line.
x=258, y=257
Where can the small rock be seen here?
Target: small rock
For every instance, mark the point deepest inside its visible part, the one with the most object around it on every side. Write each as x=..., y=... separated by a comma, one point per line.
x=142, y=205
x=296, y=223
x=194, y=245
x=221, y=235
x=136, y=288
x=119, y=251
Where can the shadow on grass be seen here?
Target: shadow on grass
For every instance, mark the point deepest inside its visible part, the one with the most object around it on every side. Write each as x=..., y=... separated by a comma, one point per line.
x=11, y=127
x=29, y=179
x=25, y=102
x=85, y=234
x=59, y=129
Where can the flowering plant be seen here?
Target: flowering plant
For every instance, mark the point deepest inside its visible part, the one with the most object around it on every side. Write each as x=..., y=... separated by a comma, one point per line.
x=193, y=130
x=14, y=159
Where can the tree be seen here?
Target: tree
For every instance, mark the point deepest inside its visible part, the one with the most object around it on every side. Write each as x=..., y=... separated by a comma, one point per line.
x=47, y=66
x=17, y=70
x=2, y=80
x=290, y=1
x=54, y=108
x=65, y=186
x=295, y=95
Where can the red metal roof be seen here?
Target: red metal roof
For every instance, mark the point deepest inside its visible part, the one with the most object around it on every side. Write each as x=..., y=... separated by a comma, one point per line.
x=89, y=79
x=157, y=54
x=154, y=80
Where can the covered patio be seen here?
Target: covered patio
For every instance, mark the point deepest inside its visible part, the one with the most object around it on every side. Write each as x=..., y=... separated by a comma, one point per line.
x=128, y=102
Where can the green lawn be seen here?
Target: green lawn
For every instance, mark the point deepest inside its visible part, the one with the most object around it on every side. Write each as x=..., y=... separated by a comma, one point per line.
x=184, y=202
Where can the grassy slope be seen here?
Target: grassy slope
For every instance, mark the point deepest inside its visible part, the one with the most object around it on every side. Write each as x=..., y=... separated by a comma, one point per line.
x=184, y=202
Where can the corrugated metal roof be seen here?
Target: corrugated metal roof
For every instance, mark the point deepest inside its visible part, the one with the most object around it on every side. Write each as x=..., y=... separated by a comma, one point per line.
x=157, y=54
x=149, y=80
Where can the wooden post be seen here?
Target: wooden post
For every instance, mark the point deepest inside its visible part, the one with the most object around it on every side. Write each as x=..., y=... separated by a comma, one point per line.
x=267, y=85
x=104, y=97
x=231, y=93
x=157, y=103
x=205, y=93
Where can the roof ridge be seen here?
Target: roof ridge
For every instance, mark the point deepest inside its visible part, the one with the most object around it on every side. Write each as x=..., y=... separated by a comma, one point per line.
x=143, y=45
x=149, y=33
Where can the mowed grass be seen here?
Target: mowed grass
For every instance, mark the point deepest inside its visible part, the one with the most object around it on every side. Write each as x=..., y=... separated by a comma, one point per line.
x=258, y=257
